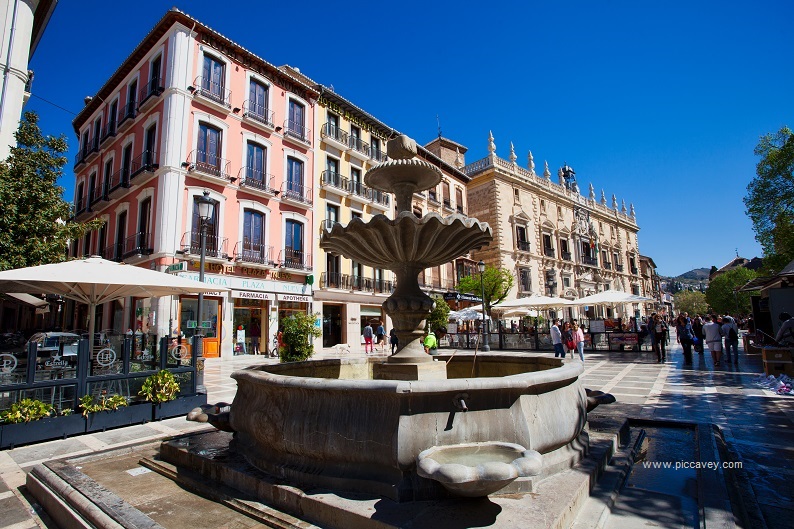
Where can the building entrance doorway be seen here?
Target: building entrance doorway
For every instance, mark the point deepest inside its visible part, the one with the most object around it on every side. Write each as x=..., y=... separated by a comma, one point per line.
x=332, y=325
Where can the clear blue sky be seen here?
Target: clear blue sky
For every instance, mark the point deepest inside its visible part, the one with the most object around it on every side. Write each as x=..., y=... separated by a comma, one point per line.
x=659, y=103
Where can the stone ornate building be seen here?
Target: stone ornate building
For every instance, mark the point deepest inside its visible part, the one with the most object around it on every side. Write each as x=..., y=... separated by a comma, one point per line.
x=556, y=240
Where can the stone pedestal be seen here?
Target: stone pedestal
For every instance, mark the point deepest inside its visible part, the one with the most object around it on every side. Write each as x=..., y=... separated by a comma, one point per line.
x=423, y=371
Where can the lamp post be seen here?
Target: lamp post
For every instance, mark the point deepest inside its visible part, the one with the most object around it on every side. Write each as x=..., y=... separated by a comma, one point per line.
x=485, y=337
x=205, y=207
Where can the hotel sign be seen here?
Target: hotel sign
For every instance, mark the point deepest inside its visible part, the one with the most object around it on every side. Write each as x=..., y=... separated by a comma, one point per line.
x=352, y=118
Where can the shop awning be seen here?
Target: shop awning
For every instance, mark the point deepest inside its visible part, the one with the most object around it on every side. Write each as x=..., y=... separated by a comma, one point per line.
x=27, y=298
x=370, y=311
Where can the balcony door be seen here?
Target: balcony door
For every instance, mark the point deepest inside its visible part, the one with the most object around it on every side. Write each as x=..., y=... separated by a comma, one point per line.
x=257, y=99
x=121, y=233
x=212, y=78
x=255, y=163
x=253, y=236
x=150, y=145
x=212, y=230
x=209, y=148
x=296, y=118
x=293, y=244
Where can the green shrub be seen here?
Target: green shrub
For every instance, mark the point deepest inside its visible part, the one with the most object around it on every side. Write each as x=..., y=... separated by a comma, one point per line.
x=160, y=387
x=297, y=331
x=27, y=410
x=89, y=404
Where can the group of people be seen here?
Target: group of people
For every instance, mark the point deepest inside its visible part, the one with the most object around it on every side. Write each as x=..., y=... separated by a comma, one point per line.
x=378, y=337
x=719, y=333
x=568, y=339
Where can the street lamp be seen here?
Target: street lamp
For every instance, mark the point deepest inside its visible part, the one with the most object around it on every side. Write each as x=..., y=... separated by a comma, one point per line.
x=205, y=207
x=485, y=337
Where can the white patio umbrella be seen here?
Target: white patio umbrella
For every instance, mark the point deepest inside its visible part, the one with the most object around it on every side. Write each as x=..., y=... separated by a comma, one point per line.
x=533, y=302
x=95, y=281
x=609, y=297
x=466, y=314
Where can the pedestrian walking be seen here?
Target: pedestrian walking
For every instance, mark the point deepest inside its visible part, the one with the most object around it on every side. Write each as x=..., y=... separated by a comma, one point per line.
x=380, y=335
x=659, y=338
x=368, y=334
x=556, y=339
x=697, y=328
x=393, y=340
x=685, y=336
x=712, y=333
x=578, y=338
x=567, y=338
x=731, y=333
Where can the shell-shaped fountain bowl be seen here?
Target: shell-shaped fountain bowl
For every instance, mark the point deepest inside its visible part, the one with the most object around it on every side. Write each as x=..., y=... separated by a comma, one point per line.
x=392, y=175
x=383, y=243
x=477, y=469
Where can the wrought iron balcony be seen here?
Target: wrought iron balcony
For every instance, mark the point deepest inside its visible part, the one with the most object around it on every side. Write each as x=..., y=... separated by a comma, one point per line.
x=332, y=132
x=97, y=193
x=383, y=286
x=216, y=248
x=619, y=267
x=358, y=146
x=80, y=205
x=293, y=129
x=361, y=283
x=93, y=150
x=297, y=194
x=79, y=158
x=257, y=180
x=459, y=209
x=208, y=164
x=254, y=253
x=634, y=270
x=327, y=224
x=114, y=252
x=359, y=189
x=524, y=246
x=109, y=130
x=295, y=259
x=146, y=162
x=590, y=261
x=258, y=114
x=433, y=197
x=335, y=180
x=150, y=91
x=213, y=92
x=524, y=281
x=378, y=155
x=118, y=181
x=138, y=244
x=334, y=280
x=447, y=203
x=566, y=256
x=607, y=265
x=127, y=114
x=548, y=252
x=380, y=199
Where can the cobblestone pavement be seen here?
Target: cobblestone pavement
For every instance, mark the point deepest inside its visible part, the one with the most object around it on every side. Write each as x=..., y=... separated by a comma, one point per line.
x=757, y=424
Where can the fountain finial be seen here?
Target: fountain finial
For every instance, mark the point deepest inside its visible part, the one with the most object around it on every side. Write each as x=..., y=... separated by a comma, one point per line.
x=401, y=148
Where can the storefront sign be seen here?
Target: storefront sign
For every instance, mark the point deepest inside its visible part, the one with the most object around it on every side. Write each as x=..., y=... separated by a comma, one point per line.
x=245, y=294
x=456, y=296
x=623, y=339
x=253, y=284
x=177, y=267
x=293, y=297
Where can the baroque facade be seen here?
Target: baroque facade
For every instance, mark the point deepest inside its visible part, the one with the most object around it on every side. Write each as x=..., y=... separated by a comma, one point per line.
x=557, y=241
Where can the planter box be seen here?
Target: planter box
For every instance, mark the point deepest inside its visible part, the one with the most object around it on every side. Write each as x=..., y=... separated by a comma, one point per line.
x=132, y=414
x=178, y=406
x=42, y=430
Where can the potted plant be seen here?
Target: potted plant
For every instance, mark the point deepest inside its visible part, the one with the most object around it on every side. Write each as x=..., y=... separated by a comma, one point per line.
x=162, y=390
x=296, y=333
x=31, y=420
x=111, y=412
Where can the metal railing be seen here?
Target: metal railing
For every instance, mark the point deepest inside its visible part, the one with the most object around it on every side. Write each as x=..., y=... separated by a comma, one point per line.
x=110, y=129
x=255, y=253
x=295, y=259
x=297, y=130
x=138, y=244
x=607, y=265
x=334, y=280
x=217, y=247
x=334, y=179
x=257, y=112
x=127, y=112
x=154, y=88
x=144, y=162
x=97, y=192
x=566, y=256
x=357, y=144
x=524, y=246
x=634, y=270
x=327, y=224
x=213, y=91
x=619, y=267
x=591, y=261
x=329, y=130
x=114, y=251
x=359, y=189
x=380, y=198
x=295, y=192
x=364, y=284
x=119, y=179
x=209, y=164
x=256, y=179
x=377, y=154
x=548, y=252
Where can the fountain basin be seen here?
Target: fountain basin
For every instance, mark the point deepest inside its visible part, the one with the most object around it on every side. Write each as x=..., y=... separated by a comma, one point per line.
x=477, y=469
x=328, y=424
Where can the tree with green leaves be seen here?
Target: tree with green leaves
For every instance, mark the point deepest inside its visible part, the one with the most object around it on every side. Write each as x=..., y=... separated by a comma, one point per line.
x=497, y=283
x=691, y=301
x=439, y=316
x=35, y=225
x=296, y=332
x=770, y=199
x=722, y=296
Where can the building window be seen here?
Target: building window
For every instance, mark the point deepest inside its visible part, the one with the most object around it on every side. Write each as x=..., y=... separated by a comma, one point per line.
x=92, y=189
x=85, y=142
x=516, y=195
x=294, y=178
x=564, y=250
x=355, y=215
x=355, y=182
x=548, y=246
x=132, y=91
x=355, y=137
x=375, y=148
x=524, y=280
x=126, y=163
x=521, y=239
x=566, y=281
x=212, y=79
x=293, y=244
x=296, y=119
x=445, y=194
x=331, y=215
x=255, y=159
x=212, y=230
x=543, y=206
x=101, y=240
x=459, y=200
x=97, y=133
x=208, y=155
x=257, y=100
x=144, y=225
x=332, y=172
x=150, y=147
x=559, y=212
x=121, y=234
x=154, y=74
x=114, y=110
x=253, y=235
x=107, y=174
x=87, y=244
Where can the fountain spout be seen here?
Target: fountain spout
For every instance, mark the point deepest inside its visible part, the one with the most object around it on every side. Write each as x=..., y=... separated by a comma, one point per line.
x=460, y=401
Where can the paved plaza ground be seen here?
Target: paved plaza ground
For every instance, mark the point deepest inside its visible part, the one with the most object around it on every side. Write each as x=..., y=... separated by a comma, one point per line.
x=757, y=425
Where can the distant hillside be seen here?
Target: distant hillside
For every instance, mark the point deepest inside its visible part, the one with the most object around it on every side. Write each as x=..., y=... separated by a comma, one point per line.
x=698, y=274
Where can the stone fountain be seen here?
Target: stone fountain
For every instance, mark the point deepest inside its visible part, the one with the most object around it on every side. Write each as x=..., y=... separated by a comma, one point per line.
x=406, y=245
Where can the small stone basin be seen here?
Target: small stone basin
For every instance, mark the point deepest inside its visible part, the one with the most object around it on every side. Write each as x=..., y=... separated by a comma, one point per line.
x=477, y=469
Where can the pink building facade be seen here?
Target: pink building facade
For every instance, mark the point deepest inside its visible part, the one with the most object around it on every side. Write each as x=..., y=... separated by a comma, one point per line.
x=190, y=112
